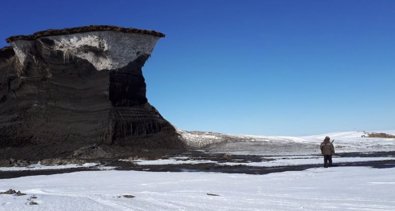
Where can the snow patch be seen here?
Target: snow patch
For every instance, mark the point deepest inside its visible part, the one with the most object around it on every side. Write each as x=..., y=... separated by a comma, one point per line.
x=171, y=161
x=39, y=166
x=22, y=49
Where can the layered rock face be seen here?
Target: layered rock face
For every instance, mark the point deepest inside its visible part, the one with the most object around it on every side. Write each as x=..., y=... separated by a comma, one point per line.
x=63, y=90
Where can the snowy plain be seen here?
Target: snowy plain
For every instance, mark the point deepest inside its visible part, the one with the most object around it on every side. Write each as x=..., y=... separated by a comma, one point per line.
x=341, y=188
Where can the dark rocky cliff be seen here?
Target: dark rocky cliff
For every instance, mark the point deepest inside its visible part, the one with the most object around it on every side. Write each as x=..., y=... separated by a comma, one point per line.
x=68, y=92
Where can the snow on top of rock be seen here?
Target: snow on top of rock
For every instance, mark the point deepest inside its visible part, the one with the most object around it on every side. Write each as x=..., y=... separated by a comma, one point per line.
x=105, y=50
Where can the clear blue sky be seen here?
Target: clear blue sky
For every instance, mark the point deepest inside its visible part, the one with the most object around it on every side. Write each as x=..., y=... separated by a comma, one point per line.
x=250, y=67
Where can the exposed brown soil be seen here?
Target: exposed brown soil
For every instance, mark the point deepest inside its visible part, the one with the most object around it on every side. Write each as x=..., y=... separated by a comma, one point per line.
x=380, y=135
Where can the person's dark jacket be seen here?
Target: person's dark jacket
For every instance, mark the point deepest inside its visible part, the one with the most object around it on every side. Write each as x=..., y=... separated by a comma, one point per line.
x=327, y=148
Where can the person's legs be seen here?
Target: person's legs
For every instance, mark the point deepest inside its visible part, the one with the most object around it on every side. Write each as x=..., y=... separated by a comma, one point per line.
x=325, y=161
x=330, y=160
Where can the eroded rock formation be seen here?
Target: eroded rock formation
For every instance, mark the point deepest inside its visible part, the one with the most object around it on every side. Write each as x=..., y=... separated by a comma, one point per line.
x=66, y=90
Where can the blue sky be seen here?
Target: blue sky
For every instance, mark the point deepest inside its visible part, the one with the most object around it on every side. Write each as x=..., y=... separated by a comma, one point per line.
x=250, y=67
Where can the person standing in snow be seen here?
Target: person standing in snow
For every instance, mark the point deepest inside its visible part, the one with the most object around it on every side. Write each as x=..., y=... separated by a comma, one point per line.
x=327, y=150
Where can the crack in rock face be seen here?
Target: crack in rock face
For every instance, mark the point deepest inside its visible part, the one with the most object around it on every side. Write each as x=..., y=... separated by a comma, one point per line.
x=60, y=93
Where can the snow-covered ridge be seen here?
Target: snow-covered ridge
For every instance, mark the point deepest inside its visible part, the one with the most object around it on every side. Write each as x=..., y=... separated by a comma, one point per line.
x=352, y=141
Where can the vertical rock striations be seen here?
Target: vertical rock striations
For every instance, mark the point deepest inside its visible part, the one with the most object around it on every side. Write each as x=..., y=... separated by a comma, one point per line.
x=62, y=90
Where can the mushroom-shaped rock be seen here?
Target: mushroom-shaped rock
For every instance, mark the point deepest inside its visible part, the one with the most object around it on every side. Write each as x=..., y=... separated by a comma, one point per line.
x=63, y=90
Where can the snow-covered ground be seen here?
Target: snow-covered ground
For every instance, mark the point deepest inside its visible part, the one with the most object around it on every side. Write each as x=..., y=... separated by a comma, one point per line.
x=341, y=188
x=286, y=161
x=352, y=141
x=277, y=161
x=338, y=188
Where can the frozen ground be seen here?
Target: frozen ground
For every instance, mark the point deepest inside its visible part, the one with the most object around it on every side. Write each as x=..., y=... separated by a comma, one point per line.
x=341, y=188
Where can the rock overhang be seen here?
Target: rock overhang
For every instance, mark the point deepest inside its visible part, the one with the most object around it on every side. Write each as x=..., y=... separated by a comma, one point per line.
x=55, y=100
x=105, y=47
x=82, y=29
